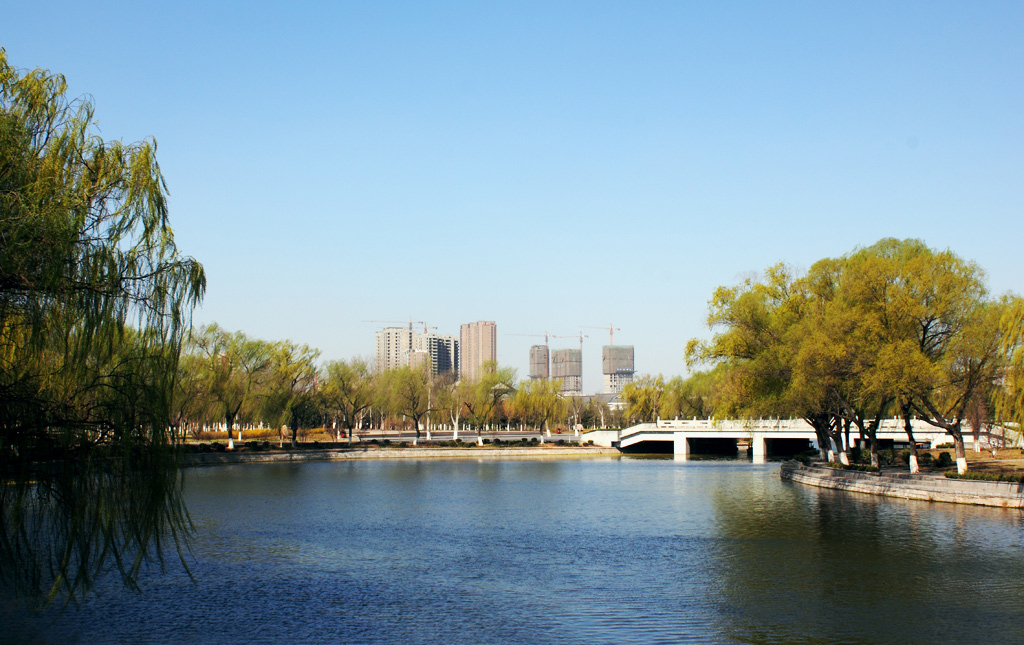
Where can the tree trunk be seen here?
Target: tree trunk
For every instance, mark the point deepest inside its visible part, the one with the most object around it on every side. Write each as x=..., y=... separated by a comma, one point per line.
x=846, y=436
x=229, y=420
x=824, y=445
x=908, y=426
x=835, y=433
x=961, y=455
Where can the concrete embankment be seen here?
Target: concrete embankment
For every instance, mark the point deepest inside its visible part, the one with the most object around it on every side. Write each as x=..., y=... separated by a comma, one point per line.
x=277, y=456
x=932, y=488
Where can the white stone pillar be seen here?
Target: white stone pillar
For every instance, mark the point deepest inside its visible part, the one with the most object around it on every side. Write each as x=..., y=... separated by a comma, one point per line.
x=681, y=446
x=759, y=449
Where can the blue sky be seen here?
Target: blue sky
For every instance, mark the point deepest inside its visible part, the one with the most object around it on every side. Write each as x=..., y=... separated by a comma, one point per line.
x=548, y=164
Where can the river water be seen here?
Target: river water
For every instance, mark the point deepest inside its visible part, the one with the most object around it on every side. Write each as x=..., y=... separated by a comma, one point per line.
x=602, y=550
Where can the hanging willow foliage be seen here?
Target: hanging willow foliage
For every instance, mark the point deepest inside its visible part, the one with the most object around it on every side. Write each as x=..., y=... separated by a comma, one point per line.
x=94, y=302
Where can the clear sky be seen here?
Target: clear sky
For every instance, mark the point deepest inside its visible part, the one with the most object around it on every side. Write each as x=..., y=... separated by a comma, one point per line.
x=548, y=164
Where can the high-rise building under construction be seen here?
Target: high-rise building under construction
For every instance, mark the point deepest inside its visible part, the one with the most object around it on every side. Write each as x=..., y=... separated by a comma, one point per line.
x=539, y=362
x=567, y=365
x=617, y=367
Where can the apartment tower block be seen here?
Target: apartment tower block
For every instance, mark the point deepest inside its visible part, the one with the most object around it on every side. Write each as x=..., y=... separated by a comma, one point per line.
x=478, y=343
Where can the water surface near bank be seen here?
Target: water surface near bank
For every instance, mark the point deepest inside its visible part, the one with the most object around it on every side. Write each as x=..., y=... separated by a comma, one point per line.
x=562, y=551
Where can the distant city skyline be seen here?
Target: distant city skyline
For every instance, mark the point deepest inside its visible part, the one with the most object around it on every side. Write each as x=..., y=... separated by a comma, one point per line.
x=548, y=166
x=397, y=346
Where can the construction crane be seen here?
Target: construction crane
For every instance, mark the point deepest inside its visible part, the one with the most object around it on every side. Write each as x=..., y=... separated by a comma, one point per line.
x=410, y=322
x=545, y=336
x=581, y=337
x=611, y=331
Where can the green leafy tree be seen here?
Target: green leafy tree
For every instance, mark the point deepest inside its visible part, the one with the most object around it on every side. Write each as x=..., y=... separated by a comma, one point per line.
x=937, y=340
x=643, y=398
x=289, y=394
x=486, y=395
x=450, y=402
x=1010, y=397
x=86, y=450
x=408, y=390
x=348, y=392
x=538, y=401
x=692, y=397
x=892, y=326
x=758, y=344
x=237, y=371
x=191, y=406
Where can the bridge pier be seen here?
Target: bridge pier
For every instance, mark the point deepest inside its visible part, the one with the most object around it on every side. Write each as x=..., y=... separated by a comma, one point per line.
x=758, y=447
x=680, y=445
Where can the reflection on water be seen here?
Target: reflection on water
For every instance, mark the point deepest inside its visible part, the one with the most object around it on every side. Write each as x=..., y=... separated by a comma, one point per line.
x=573, y=551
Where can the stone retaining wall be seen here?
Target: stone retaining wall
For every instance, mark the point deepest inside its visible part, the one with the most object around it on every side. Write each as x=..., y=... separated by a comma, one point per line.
x=241, y=457
x=932, y=488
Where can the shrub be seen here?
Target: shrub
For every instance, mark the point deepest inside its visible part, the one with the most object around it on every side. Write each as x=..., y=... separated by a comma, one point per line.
x=487, y=442
x=401, y=444
x=926, y=459
x=534, y=440
x=982, y=476
x=945, y=445
x=905, y=456
x=944, y=460
x=857, y=467
x=888, y=457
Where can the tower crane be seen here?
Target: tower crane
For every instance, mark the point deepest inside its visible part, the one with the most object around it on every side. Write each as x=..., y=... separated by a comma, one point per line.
x=410, y=322
x=611, y=331
x=545, y=336
x=581, y=337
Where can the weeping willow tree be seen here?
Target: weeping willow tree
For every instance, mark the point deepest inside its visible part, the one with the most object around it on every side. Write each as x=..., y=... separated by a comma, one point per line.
x=1010, y=399
x=94, y=302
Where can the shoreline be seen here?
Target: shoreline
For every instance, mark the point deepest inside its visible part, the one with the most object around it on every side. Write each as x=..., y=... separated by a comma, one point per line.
x=922, y=487
x=341, y=454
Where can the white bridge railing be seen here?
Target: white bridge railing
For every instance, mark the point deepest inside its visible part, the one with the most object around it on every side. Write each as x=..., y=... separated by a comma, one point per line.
x=886, y=426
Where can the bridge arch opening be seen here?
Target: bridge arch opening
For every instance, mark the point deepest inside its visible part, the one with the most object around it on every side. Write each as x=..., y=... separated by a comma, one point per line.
x=713, y=446
x=786, y=447
x=650, y=448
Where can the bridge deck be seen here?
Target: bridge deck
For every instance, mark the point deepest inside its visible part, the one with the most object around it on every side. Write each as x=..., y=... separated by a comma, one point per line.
x=758, y=432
